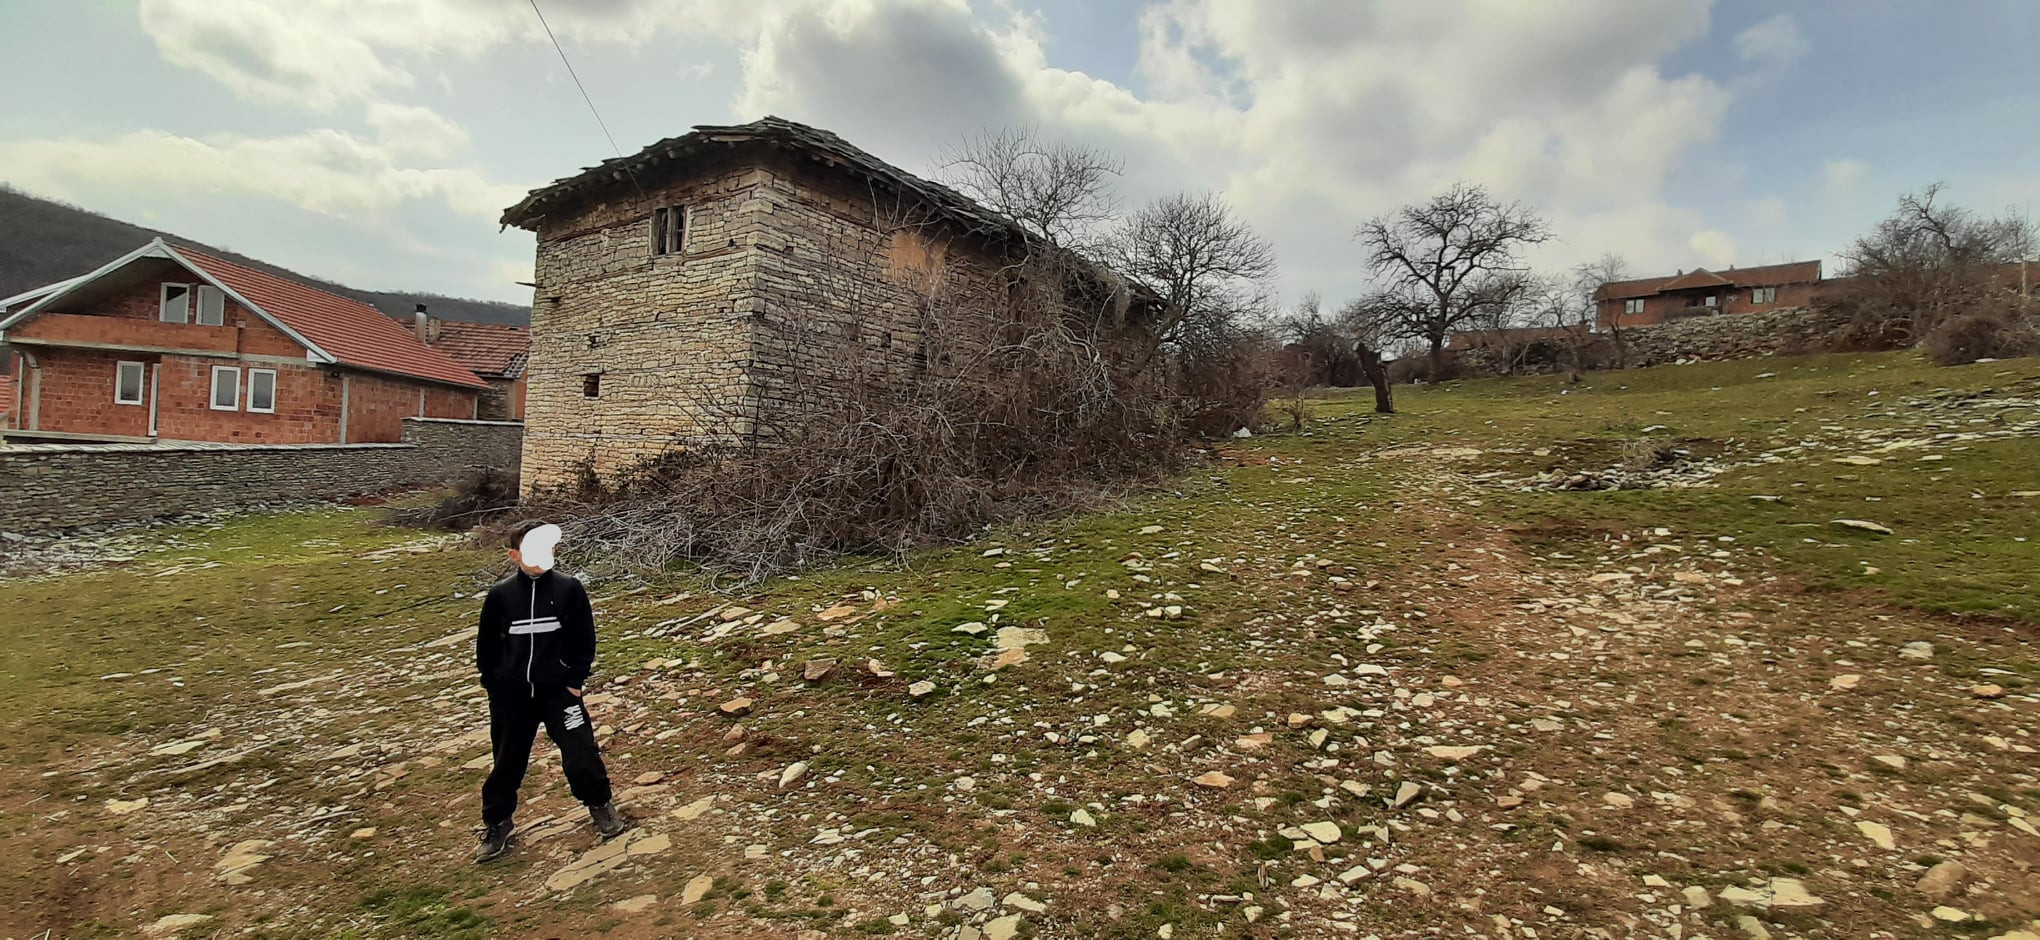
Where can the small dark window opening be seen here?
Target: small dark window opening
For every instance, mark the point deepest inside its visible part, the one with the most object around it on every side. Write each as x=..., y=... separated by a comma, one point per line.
x=669, y=230
x=591, y=385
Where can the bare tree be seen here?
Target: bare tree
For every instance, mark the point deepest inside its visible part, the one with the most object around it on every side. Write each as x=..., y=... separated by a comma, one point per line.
x=1930, y=262
x=1058, y=192
x=1449, y=260
x=1589, y=277
x=1369, y=324
x=1194, y=253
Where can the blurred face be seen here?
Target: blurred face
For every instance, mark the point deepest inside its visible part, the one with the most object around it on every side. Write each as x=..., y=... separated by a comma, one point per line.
x=517, y=558
x=534, y=555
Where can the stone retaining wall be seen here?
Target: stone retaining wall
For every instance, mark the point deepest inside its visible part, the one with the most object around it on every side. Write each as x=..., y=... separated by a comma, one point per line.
x=1728, y=336
x=52, y=486
x=1720, y=336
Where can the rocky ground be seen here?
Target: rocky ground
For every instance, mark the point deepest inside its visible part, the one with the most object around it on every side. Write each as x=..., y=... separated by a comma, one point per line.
x=1377, y=680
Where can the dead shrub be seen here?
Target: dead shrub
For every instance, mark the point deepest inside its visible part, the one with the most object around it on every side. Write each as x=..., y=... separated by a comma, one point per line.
x=476, y=498
x=1411, y=369
x=1965, y=339
x=1012, y=406
x=1940, y=275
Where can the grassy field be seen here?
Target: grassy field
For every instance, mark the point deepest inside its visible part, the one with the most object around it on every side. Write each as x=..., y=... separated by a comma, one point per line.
x=1654, y=683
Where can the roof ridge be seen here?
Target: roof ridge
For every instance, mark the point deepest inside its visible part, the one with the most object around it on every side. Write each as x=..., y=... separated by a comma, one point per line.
x=290, y=280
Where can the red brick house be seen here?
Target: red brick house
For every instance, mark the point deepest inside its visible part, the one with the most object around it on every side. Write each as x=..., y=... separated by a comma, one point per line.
x=169, y=343
x=1701, y=292
x=493, y=351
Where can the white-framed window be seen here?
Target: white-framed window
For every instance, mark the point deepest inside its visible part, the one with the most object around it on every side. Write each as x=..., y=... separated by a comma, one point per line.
x=212, y=305
x=669, y=230
x=1633, y=305
x=1713, y=300
x=226, y=388
x=262, y=391
x=127, y=383
x=175, y=305
x=1763, y=295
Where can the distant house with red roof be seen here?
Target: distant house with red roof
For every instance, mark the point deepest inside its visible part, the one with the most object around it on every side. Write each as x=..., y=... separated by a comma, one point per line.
x=493, y=351
x=168, y=343
x=1701, y=292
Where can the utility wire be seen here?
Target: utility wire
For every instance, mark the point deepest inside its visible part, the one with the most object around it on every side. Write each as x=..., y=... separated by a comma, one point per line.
x=577, y=78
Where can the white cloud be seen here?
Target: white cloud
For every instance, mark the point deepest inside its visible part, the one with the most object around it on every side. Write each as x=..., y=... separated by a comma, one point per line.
x=1776, y=40
x=1841, y=176
x=404, y=128
x=323, y=171
x=1714, y=247
x=265, y=54
x=1309, y=118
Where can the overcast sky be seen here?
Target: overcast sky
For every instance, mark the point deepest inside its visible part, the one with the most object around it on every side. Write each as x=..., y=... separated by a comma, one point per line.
x=377, y=141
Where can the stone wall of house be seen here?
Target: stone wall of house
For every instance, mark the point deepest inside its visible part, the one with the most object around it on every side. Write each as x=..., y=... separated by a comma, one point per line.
x=850, y=282
x=50, y=486
x=631, y=352
x=1719, y=336
x=792, y=279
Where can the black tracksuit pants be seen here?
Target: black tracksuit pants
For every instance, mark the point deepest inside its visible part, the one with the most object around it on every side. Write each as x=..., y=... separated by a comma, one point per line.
x=514, y=717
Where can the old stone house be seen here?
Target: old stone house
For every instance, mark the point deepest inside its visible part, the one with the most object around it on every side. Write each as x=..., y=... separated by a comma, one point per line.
x=168, y=343
x=1700, y=292
x=676, y=288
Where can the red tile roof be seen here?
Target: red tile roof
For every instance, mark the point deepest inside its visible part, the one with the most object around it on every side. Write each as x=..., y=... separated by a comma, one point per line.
x=1770, y=275
x=486, y=348
x=352, y=332
x=1698, y=277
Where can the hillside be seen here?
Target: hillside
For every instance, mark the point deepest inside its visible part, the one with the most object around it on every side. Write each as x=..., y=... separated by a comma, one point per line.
x=1728, y=650
x=44, y=241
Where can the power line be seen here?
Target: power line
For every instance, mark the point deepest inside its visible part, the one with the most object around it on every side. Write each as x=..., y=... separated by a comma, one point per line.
x=577, y=79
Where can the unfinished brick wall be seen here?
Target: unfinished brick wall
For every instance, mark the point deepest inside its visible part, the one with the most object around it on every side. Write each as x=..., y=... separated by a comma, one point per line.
x=75, y=386
x=779, y=253
x=76, y=389
x=377, y=405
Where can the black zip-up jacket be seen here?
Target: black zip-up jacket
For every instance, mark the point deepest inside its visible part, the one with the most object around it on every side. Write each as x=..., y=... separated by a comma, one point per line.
x=536, y=633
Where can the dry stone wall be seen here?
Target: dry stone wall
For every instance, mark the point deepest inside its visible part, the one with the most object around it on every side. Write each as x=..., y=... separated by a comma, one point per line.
x=666, y=337
x=1728, y=336
x=52, y=486
x=1721, y=336
x=790, y=279
x=851, y=286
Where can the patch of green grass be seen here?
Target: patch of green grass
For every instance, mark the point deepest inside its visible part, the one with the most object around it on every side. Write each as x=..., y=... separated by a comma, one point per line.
x=424, y=912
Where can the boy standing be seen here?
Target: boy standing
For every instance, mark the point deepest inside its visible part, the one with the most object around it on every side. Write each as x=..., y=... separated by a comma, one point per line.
x=534, y=652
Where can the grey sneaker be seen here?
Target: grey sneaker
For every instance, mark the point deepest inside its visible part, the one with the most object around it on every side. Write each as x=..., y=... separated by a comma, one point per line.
x=495, y=842
x=609, y=821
